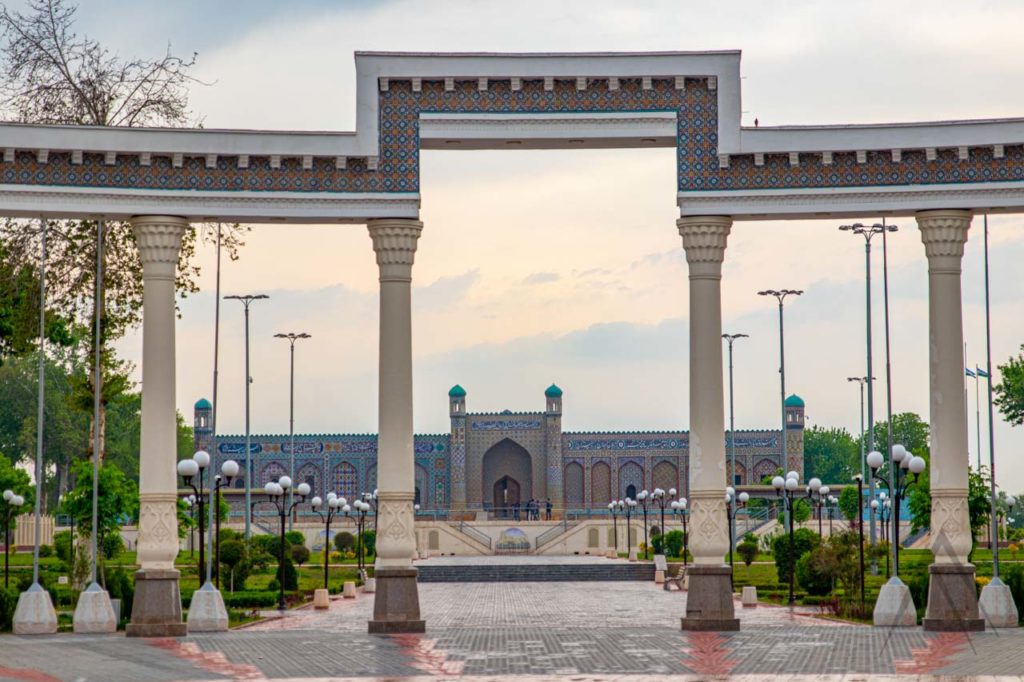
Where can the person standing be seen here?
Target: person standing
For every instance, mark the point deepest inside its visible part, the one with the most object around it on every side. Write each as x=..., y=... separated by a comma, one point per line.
x=547, y=508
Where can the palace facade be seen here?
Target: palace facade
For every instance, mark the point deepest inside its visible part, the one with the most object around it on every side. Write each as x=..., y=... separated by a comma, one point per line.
x=497, y=459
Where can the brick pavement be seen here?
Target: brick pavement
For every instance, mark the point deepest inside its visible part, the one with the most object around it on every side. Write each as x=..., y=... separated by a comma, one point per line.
x=587, y=632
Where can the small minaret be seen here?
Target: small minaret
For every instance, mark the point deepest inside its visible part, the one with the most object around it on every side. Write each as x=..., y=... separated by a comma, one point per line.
x=202, y=426
x=457, y=456
x=553, y=445
x=795, y=434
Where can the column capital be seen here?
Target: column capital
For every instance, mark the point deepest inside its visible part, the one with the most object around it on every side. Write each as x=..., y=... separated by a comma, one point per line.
x=944, y=234
x=394, y=242
x=704, y=239
x=158, y=239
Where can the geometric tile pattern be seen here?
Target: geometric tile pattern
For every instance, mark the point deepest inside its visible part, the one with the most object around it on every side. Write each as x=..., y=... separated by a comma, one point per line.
x=698, y=168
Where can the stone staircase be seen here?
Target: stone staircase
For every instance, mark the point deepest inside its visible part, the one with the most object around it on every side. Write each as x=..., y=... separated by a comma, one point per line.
x=522, y=572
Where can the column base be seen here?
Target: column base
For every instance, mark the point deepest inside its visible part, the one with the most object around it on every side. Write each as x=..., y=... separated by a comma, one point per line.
x=396, y=604
x=94, y=614
x=35, y=614
x=156, y=611
x=206, y=613
x=952, y=600
x=894, y=606
x=709, y=606
x=995, y=605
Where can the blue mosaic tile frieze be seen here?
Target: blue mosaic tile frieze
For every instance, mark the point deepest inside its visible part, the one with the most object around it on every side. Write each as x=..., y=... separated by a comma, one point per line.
x=398, y=163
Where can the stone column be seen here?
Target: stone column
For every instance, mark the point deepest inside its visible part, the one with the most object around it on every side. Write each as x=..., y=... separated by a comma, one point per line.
x=709, y=602
x=157, y=605
x=952, y=599
x=396, y=606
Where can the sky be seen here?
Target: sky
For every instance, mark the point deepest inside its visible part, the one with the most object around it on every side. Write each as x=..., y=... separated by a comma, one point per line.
x=538, y=267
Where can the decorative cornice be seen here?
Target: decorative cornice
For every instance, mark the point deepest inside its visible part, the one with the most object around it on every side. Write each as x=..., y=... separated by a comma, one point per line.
x=54, y=201
x=841, y=202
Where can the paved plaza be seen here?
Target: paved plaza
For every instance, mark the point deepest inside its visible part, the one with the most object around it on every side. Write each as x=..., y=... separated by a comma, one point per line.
x=577, y=631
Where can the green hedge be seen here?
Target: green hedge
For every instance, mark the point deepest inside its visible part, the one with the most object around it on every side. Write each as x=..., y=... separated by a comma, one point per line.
x=247, y=599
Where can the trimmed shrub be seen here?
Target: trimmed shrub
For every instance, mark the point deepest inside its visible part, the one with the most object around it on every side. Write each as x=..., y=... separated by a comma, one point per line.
x=233, y=557
x=112, y=545
x=344, y=541
x=62, y=545
x=8, y=602
x=1013, y=576
x=658, y=543
x=747, y=552
x=291, y=577
x=45, y=551
x=674, y=543
x=804, y=540
x=300, y=554
x=811, y=577
x=369, y=542
x=295, y=537
x=121, y=586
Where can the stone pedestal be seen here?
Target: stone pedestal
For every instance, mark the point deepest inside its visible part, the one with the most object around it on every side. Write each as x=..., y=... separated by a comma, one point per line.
x=611, y=554
x=995, y=606
x=156, y=611
x=370, y=585
x=749, y=596
x=659, y=577
x=895, y=606
x=321, y=599
x=396, y=608
x=206, y=613
x=632, y=554
x=93, y=613
x=709, y=604
x=952, y=599
x=35, y=614
x=348, y=590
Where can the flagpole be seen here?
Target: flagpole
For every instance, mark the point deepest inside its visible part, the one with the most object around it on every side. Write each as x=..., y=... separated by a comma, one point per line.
x=977, y=414
x=991, y=432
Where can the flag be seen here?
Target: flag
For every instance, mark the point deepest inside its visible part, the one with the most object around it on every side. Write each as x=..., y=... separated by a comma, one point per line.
x=981, y=373
x=969, y=373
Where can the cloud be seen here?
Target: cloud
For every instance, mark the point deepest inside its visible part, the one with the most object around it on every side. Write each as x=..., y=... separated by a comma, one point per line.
x=445, y=291
x=541, y=278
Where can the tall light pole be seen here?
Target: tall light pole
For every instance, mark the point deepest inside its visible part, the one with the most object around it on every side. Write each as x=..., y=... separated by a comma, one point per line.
x=861, y=381
x=781, y=295
x=292, y=338
x=893, y=474
x=868, y=232
x=730, y=339
x=246, y=301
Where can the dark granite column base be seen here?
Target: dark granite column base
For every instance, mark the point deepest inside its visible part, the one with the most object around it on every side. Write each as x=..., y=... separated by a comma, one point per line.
x=952, y=600
x=156, y=611
x=396, y=604
x=709, y=605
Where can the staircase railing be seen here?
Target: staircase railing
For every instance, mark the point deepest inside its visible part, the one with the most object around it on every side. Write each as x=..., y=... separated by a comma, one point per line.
x=551, y=533
x=479, y=536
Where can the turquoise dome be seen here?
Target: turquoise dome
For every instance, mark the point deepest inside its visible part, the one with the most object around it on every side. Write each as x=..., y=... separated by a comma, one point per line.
x=457, y=392
x=794, y=401
x=203, y=404
x=553, y=391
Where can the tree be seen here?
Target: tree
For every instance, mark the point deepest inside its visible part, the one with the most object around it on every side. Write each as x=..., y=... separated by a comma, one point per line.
x=849, y=504
x=117, y=499
x=49, y=74
x=233, y=555
x=1009, y=392
x=804, y=540
x=12, y=478
x=831, y=454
